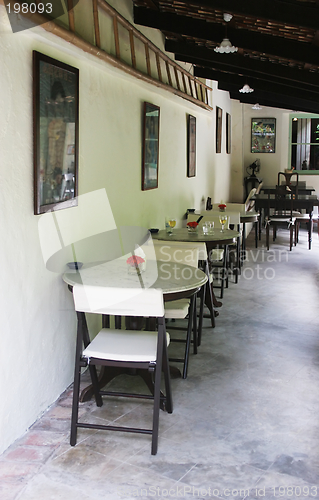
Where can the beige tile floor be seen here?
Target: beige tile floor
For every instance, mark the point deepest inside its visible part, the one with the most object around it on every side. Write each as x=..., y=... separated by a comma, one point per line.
x=245, y=422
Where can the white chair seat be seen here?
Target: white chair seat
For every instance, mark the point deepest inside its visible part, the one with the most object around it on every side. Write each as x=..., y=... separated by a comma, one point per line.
x=176, y=309
x=282, y=219
x=217, y=254
x=307, y=216
x=123, y=345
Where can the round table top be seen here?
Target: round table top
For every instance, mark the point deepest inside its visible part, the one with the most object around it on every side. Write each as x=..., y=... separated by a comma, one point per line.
x=170, y=277
x=249, y=216
x=217, y=237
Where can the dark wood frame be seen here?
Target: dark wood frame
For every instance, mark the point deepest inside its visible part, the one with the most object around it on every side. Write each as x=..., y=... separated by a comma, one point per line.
x=191, y=146
x=219, y=122
x=55, y=101
x=269, y=139
x=150, y=152
x=228, y=133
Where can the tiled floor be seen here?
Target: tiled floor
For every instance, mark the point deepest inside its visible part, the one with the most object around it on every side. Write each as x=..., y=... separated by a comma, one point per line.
x=245, y=422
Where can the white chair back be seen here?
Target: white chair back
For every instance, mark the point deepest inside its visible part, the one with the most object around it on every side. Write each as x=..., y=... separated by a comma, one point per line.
x=259, y=188
x=179, y=251
x=249, y=205
x=119, y=301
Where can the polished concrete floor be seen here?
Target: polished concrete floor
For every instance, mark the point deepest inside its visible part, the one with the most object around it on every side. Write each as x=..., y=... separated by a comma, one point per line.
x=245, y=421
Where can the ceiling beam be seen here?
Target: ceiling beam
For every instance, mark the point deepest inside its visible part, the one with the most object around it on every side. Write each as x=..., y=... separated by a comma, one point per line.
x=237, y=63
x=300, y=14
x=270, y=100
x=237, y=81
x=302, y=85
x=273, y=99
x=214, y=32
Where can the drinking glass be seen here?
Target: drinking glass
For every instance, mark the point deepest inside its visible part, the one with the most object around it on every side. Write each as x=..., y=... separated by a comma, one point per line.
x=205, y=228
x=223, y=219
x=170, y=224
x=210, y=225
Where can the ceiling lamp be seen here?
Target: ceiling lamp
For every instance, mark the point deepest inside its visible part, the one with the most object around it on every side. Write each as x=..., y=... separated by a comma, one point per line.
x=256, y=106
x=225, y=47
x=246, y=89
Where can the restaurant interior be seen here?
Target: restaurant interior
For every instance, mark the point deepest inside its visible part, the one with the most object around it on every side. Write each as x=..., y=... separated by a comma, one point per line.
x=225, y=119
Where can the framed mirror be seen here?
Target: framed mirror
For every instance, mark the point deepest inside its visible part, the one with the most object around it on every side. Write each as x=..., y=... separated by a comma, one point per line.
x=56, y=133
x=150, y=146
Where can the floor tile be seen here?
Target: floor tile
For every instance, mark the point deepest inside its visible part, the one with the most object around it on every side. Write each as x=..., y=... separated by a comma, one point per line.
x=245, y=421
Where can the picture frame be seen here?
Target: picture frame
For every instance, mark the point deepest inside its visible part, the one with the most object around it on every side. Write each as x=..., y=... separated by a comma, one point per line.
x=191, y=146
x=263, y=135
x=55, y=133
x=219, y=119
x=228, y=133
x=150, y=146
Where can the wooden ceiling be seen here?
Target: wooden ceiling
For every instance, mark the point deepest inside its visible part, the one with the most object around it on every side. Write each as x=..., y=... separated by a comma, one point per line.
x=278, y=45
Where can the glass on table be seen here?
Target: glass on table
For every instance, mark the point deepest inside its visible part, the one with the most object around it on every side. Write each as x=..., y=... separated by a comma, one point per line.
x=170, y=223
x=208, y=227
x=223, y=220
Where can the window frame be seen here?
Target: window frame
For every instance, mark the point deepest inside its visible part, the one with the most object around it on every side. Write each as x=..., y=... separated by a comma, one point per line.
x=291, y=117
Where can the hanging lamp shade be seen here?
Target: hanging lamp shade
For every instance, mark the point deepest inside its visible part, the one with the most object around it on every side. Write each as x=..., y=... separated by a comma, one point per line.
x=246, y=89
x=225, y=47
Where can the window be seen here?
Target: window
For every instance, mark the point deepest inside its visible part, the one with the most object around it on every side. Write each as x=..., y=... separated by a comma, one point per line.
x=304, y=140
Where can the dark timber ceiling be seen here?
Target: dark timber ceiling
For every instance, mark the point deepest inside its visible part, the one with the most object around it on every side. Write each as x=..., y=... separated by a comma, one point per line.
x=278, y=45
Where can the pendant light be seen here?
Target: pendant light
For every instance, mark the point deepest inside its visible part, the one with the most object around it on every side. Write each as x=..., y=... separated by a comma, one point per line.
x=226, y=47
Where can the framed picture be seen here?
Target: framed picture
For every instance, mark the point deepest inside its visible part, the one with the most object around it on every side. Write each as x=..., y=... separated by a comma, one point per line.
x=228, y=133
x=151, y=117
x=55, y=133
x=219, y=118
x=191, y=146
x=263, y=135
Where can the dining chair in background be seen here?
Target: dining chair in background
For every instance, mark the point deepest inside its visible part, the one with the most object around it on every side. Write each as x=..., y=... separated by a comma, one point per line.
x=187, y=253
x=219, y=257
x=124, y=349
x=286, y=179
x=281, y=214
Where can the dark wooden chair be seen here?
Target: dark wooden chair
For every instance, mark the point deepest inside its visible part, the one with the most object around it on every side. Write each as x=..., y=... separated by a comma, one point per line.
x=121, y=350
x=282, y=214
x=290, y=180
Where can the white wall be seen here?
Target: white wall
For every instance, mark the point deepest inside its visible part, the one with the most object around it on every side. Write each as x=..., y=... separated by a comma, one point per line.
x=271, y=163
x=38, y=321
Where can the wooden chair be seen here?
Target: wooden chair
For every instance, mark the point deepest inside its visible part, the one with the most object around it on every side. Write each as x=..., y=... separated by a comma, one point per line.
x=121, y=349
x=285, y=179
x=305, y=218
x=219, y=257
x=186, y=253
x=282, y=215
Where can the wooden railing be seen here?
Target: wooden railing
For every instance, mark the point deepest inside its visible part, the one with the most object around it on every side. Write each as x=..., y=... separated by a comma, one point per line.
x=126, y=48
